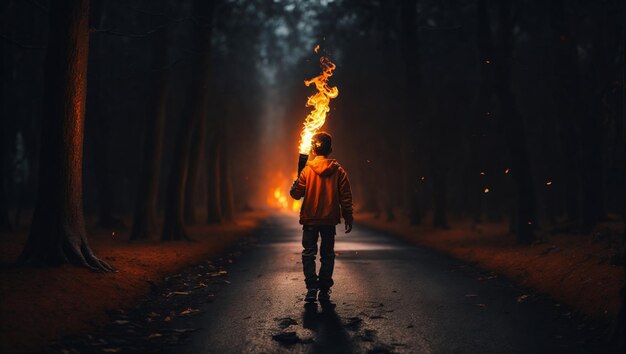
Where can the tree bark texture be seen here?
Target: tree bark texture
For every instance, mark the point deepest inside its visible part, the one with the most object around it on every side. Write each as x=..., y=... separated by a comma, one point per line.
x=57, y=233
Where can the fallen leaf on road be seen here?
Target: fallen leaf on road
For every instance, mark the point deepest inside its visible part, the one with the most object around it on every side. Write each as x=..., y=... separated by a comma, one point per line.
x=522, y=298
x=167, y=318
x=155, y=335
x=111, y=350
x=189, y=311
x=181, y=293
x=185, y=330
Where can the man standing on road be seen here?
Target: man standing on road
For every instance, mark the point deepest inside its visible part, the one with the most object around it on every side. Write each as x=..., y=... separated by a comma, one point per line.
x=327, y=197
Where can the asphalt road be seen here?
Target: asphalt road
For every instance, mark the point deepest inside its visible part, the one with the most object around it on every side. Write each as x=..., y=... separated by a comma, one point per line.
x=390, y=296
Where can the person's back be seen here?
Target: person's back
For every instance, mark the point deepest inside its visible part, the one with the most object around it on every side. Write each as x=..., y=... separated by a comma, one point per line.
x=327, y=196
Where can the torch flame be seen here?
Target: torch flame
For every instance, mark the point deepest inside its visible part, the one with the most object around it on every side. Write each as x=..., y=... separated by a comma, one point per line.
x=320, y=103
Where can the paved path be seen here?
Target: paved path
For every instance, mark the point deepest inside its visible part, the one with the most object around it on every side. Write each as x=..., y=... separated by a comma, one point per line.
x=390, y=297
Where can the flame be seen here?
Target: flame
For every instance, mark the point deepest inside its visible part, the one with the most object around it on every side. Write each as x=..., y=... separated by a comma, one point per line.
x=320, y=103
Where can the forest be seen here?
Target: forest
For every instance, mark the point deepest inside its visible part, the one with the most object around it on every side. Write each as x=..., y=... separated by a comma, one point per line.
x=159, y=121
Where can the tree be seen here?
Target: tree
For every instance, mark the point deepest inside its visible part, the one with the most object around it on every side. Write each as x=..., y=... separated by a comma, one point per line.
x=513, y=126
x=482, y=109
x=57, y=234
x=197, y=148
x=97, y=111
x=214, y=203
x=410, y=53
x=173, y=223
x=567, y=99
x=144, y=221
x=511, y=120
x=227, y=198
x=5, y=223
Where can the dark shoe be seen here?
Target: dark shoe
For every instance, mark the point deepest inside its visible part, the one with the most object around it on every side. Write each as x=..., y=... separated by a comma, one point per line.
x=324, y=295
x=311, y=295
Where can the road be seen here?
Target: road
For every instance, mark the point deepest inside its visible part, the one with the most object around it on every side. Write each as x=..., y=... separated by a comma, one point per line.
x=390, y=296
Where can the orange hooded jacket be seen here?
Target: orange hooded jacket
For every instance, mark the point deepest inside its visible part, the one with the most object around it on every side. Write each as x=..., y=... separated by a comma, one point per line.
x=326, y=191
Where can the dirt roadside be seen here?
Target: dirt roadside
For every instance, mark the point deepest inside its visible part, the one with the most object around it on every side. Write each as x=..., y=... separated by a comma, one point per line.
x=41, y=304
x=574, y=269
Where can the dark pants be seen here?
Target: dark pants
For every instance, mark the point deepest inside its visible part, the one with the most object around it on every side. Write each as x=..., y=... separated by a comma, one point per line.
x=327, y=255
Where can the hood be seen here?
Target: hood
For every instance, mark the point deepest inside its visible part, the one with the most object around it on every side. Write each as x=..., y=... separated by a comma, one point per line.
x=323, y=167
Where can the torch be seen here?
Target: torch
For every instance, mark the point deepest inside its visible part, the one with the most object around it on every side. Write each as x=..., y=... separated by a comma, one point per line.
x=302, y=162
x=320, y=102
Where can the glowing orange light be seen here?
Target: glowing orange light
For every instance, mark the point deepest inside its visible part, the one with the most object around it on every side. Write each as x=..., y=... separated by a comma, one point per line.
x=506, y=172
x=320, y=102
x=295, y=206
x=317, y=48
x=549, y=183
x=486, y=190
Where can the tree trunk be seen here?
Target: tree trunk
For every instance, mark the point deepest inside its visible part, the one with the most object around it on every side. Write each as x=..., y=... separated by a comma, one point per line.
x=618, y=330
x=97, y=109
x=57, y=233
x=5, y=223
x=197, y=149
x=604, y=71
x=144, y=221
x=226, y=188
x=412, y=118
x=483, y=111
x=514, y=128
x=214, y=200
x=173, y=223
x=440, y=219
x=567, y=97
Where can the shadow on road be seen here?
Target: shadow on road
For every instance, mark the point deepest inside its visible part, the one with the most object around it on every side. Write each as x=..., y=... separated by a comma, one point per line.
x=331, y=336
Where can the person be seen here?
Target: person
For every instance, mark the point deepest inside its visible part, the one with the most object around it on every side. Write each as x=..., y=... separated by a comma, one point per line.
x=327, y=196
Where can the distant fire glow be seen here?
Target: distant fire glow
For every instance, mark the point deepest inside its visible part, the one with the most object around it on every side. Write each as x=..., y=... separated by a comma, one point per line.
x=280, y=200
x=278, y=196
x=320, y=102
